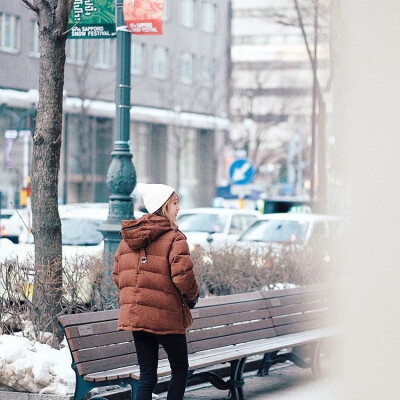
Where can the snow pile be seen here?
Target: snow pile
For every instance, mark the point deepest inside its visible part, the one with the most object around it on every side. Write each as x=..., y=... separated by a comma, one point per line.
x=280, y=286
x=35, y=367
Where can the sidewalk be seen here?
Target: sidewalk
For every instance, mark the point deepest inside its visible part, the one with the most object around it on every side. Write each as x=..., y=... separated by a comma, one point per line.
x=288, y=383
x=283, y=383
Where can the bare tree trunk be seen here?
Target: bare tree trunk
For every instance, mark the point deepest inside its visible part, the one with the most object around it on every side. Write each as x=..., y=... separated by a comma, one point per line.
x=319, y=143
x=314, y=106
x=321, y=206
x=53, y=19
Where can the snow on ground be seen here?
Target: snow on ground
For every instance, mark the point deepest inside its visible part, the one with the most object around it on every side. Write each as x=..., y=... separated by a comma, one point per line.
x=35, y=367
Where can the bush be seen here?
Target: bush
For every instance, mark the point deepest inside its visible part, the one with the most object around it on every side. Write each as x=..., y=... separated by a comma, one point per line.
x=224, y=270
x=231, y=268
x=83, y=289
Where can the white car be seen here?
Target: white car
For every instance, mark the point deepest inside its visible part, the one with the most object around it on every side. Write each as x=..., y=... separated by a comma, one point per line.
x=295, y=228
x=206, y=224
x=14, y=226
x=6, y=213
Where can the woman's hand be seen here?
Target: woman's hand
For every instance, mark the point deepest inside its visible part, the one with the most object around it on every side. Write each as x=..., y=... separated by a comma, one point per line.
x=192, y=303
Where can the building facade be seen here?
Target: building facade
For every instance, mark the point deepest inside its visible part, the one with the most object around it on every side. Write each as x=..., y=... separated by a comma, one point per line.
x=179, y=103
x=272, y=90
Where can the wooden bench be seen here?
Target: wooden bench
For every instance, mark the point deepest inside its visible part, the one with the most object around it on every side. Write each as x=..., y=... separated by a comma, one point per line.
x=226, y=329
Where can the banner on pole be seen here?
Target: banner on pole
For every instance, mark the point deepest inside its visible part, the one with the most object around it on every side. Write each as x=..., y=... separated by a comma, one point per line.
x=92, y=19
x=144, y=17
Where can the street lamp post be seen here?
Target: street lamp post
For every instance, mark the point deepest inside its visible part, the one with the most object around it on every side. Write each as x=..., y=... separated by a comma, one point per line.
x=121, y=175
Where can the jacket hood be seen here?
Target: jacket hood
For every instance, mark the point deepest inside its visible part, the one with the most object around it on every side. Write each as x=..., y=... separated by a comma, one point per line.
x=139, y=233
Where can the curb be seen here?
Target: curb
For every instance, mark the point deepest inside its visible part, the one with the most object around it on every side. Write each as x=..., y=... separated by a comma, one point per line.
x=112, y=394
x=9, y=394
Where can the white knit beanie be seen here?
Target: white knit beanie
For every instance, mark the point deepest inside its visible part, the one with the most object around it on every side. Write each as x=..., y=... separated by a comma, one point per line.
x=154, y=195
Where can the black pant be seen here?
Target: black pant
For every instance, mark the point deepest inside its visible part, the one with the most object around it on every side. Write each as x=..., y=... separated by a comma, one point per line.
x=147, y=345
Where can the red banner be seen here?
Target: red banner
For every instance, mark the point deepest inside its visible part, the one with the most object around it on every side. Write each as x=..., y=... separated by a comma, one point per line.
x=144, y=17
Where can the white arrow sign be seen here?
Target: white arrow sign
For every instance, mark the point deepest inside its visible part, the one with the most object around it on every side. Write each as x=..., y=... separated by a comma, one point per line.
x=240, y=173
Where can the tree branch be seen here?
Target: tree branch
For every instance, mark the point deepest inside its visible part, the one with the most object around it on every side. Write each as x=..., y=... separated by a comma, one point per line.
x=310, y=56
x=30, y=5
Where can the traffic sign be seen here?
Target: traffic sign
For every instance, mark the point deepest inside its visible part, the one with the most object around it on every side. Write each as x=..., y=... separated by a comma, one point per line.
x=241, y=171
x=241, y=190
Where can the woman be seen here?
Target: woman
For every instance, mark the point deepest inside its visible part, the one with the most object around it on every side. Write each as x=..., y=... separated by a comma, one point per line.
x=154, y=272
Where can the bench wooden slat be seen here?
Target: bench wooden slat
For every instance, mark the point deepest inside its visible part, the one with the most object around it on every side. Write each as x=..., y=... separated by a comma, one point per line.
x=87, y=342
x=106, y=364
x=89, y=329
x=227, y=330
x=228, y=319
x=89, y=317
x=295, y=299
x=111, y=374
x=299, y=317
x=215, y=342
x=229, y=299
x=317, y=288
x=296, y=308
x=228, y=308
x=301, y=326
x=104, y=352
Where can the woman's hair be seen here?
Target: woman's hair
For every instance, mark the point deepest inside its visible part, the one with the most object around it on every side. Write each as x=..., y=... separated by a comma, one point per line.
x=164, y=212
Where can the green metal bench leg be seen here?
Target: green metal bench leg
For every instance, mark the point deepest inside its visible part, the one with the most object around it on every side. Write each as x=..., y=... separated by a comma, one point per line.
x=266, y=363
x=234, y=384
x=316, y=359
x=237, y=382
x=83, y=387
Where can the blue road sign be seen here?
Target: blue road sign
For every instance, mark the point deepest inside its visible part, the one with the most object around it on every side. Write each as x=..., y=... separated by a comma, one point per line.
x=241, y=171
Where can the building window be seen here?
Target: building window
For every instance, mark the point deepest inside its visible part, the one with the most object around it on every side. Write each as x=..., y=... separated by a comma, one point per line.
x=207, y=71
x=104, y=53
x=10, y=31
x=187, y=13
x=208, y=18
x=76, y=51
x=186, y=68
x=160, y=63
x=138, y=58
x=35, y=43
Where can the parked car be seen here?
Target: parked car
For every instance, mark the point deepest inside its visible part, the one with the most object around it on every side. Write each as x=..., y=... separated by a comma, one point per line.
x=205, y=224
x=13, y=227
x=298, y=228
x=274, y=237
x=6, y=213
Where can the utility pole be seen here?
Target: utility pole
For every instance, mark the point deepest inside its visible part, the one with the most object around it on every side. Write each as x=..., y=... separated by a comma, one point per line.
x=314, y=108
x=121, y=176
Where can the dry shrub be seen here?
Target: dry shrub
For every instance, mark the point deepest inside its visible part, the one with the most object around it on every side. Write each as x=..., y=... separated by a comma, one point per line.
x=226, y=270
x=232, y=268
x=86, y=286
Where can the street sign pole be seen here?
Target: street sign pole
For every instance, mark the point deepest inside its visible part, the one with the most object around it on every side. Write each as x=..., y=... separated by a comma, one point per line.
x=121, y=176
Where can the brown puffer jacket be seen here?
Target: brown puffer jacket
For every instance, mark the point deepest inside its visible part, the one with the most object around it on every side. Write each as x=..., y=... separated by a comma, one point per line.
x=154, y=272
